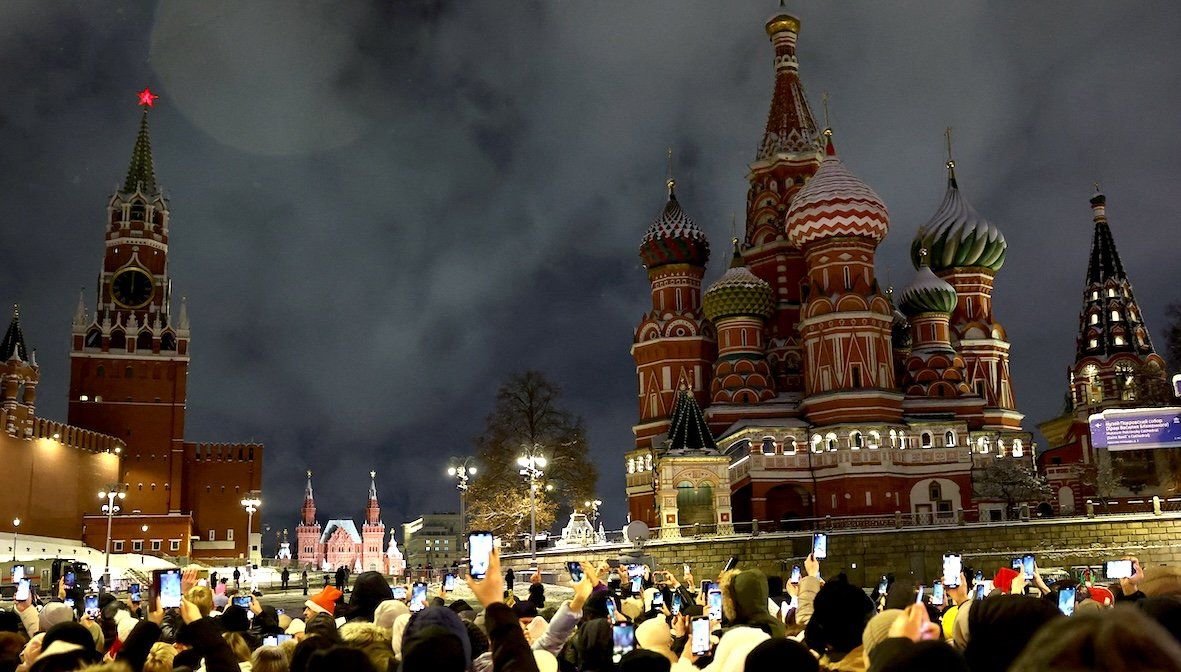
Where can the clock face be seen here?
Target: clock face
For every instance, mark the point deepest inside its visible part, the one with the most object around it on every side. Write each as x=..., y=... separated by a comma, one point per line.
x=132, y=288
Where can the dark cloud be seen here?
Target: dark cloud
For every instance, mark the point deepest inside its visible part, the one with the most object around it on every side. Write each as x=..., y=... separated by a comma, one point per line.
x=380, y=210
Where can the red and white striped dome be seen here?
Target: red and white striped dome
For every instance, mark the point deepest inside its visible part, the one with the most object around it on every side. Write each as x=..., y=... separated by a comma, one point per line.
x=834, y=203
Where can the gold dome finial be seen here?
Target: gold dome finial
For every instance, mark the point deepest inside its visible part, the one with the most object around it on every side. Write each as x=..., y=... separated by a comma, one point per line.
x=669, y=181
x=950, y=160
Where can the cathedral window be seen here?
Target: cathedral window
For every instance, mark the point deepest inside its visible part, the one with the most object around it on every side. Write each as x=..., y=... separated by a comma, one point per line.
x=1094, y=318
x=1018, y=448
x=1111, y=292
x=983, y=445
x=790, y=447
x=848, y=280
x=830, y=441
x=893, y=439
x=1093, y=343
x=1095, y=295
x=856, y=441
x=935, y=491
x=926, y=440
x=816, y=443
x=1119, y=340
x=855, y=375
x=949, y=439
x=1115, y=316
x=875, y=440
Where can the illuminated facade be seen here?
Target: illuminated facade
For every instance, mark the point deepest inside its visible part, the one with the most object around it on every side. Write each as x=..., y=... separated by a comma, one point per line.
x=339, y=544
x=825, y=398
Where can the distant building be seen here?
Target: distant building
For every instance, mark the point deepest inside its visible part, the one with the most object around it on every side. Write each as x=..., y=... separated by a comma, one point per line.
x=434, y=541
x=339, y=543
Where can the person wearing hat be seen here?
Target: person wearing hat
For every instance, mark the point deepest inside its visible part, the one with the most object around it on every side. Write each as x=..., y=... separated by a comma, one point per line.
x=323, y=602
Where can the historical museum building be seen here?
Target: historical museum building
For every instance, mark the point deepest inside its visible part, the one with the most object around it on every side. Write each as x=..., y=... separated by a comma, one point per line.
x=129, y=360
x=1115, y=367
x=339, y=544
x=796, y=385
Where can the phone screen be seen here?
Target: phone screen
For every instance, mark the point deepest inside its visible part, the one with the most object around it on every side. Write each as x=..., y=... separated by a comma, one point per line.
x=979, y=577
x=658, y=599
x=953, y=564
x=22, y=591
x=676, y=604
x=883, y=586
x=715, y=605
x=700, y=636
x=480, y=551
x=611, y=609
x=1066, y=601
x=623, y=636
x=449, y=583
x=795, y=574
x=92, y=606
x=270, y=640
x=575, y=570
x=418, y=596
x=919, y=597
x=169, y=590
x=133, y=593
x=18, y=572
x=635, y=570
x=937, y=593
x=70, y=579
x=637, y=584
x=980, y=591
x=399, y=592
x=1118, y=569
x=820, y=546
x=1028, y=562
x=242, y=601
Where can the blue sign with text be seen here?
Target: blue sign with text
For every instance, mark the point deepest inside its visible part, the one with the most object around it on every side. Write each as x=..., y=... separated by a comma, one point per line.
x=1137, y=428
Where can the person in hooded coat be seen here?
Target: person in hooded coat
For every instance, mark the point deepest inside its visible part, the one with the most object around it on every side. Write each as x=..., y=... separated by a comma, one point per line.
x=1000, y=626
x=436, y=640
x=744, y=602
x=840, y=613
x=370, y=590
x=591, y=648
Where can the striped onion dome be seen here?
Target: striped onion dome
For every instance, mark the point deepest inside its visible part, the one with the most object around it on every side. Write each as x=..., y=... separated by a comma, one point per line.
x=738, y=292
x=835, y=203
x=958, y=236
x=673, y=237
x=927, y=293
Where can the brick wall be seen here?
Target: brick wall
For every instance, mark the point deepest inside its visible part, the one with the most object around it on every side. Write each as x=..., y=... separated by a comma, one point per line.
x=870, y=553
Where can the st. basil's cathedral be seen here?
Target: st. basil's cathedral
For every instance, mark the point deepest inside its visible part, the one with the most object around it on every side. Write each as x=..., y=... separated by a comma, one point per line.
x=798, y=387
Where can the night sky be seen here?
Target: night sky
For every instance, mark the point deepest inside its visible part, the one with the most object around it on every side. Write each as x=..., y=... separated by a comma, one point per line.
x=380, y=210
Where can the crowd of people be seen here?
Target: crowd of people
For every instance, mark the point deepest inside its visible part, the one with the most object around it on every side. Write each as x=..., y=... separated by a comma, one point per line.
x=620, y=619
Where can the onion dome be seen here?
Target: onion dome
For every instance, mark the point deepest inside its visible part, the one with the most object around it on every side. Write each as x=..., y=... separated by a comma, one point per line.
x=673, y=238
x=957, y=236
x=835, y=203
x=927, y=293
x=738, y=292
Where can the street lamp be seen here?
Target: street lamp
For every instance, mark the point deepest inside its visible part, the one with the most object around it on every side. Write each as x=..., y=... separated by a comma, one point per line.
x=532, y=464
x=16, y=522
x=461, y=468
x=592, y=507
x=251, y=503
x=112, y=492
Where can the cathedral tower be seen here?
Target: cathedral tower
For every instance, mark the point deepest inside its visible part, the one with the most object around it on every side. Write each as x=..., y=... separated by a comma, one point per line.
x=846, y=325
x=19, y=375
x=789, y=154
x=739, y=305
x=373, y=532
x=129, y=361
x=307, y=533
x=674, y=344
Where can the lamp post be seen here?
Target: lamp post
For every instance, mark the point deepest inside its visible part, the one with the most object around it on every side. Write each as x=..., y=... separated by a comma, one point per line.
x=16, y=522
x=592, y=506
x=112, y=492
x=461, y=468
x=143, y=556
x=532, y=464
x=252, y=502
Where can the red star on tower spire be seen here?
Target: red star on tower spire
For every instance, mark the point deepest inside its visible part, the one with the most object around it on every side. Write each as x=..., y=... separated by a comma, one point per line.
x=147, y=98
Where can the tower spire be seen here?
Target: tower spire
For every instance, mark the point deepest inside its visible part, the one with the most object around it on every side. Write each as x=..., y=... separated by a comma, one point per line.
x=950, y=161
x=791, y=129
x=309, y=503
x=373, y=510
x=13, y=344
x=141, y=173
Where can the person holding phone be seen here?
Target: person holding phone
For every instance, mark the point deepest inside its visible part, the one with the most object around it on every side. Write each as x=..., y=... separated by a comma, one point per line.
x=508, y=648
x=1130, y=586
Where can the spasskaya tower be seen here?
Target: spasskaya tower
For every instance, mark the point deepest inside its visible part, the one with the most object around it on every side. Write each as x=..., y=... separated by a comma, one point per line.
x=129, y=364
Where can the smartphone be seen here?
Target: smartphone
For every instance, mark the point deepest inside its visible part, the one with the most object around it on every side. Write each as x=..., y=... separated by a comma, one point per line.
x=22, y=591
x=1066, y=601
x=979, y=578
x=418, y=596
x=676, y=610
x=1117, y=569
x=980, y=591
x=883, y=585
x=69, y=602
x=70, y=579
x=133, y=593
x=937, y=593
x=399, y=592
x=919, y=597
x=623, y=636
x=448, y=583
x=270, y=640
x=637, y=584
x=92, y=606
x=242, y=601
x=820, y=546
x=479, y=546
x=18, y=573
x=575, y=569
x=635, y=570
x=795, y=574
x=611, y=609
x=730, y=564
x=657, y=599
x=167, y=583
x=686, y=566
x=715, y=604
x=1028, y=562
x=699, y=636
x=953, y=565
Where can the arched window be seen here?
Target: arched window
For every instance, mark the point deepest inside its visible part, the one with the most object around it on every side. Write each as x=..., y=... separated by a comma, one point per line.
x=768, y=445
x=1094, y=385
x=830, y=441
x=631, y=465
x=1000, y=447
x=875, y=440
x=856, y=442
x=1115, y=316
x=983, y=444
x=926, y=440
x=949, y=439
x=893, y=439
x=1094, y=318
x=935, y=491
x=789, y=446
x=1018, y=448
x=816, y=440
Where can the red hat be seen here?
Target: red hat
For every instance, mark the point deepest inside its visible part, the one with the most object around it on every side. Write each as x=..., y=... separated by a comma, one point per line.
x=1004, y=579
x=1102, y=596
x=324, y=601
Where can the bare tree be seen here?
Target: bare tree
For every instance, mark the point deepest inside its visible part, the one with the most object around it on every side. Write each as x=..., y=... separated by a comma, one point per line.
x=1011, y=481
